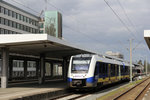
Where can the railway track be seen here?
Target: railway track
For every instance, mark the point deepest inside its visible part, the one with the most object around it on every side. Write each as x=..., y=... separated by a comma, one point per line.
x=74, y=95
x=70, y=96
x=135, y=93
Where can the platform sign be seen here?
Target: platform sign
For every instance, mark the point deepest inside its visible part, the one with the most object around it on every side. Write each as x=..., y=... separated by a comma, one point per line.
x=53, y=23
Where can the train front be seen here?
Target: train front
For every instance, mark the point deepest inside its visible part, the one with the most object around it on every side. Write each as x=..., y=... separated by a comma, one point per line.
x=79, y=75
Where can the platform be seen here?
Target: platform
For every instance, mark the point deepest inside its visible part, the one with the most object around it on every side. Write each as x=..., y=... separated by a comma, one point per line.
x=32, y=91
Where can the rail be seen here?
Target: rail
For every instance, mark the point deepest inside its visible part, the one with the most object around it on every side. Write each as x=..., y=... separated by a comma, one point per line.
x=130, y=90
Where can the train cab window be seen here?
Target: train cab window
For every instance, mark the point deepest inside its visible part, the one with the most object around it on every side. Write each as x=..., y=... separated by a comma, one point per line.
x=80, y=64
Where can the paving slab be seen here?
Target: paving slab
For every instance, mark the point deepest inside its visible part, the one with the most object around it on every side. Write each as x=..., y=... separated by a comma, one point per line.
x=19, y=91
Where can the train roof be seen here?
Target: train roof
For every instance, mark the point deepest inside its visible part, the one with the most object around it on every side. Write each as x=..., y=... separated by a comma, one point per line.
x=106, y=59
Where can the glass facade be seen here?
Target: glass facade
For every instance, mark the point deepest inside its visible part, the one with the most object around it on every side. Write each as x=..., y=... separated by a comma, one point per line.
x=53, y=23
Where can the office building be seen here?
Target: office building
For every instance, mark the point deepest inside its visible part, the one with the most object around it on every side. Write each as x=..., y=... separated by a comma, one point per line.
x=14, y=20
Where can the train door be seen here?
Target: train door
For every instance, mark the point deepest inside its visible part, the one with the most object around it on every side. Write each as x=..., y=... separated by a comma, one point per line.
x=116, y=72
x=96, y=72
x=109, y=71
x=119, y=72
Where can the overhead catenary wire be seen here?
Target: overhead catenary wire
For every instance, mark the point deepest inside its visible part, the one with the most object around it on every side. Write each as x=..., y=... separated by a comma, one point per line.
x=130, y=23
x=127, y=16
x=123, y=21
x=119, y=18
x=69, y=16
x=66, y=25
x=25, y=6
x=85, y=35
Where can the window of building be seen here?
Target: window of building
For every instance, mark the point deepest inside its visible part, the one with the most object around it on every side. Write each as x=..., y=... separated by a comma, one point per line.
x=21, y=17
x=6, y=11
x=5, y=21
x=41, y=31
x=2, y=10
x=17, y=16
x=30, y=21
x=14, y=24
x=9, y=13
x=18, y=26
x=41, y=25
x=33, y=30
x=2, y=31
x=10, y=32
x=21, y=27
x=14, y=15
x=2, y=20
x=10, y=23
x=33, y=22
x=27, y=28
x=24, y=18
x=27, y=20
x=5, y=31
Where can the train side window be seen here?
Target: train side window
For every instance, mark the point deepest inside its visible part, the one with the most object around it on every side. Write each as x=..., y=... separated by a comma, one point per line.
x=101, y=68
x=117, y=70
x=122, y=72
x=106, y=69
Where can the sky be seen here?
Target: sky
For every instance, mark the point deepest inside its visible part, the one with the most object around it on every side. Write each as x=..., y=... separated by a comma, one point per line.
x=93, y=25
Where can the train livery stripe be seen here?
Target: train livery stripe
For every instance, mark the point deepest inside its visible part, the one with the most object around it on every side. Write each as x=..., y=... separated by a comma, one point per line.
x=90, y=80
x=103, y=80
x=106, y=79
x=69, y=79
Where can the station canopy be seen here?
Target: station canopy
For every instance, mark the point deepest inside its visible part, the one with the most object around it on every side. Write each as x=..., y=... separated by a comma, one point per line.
x=147, y=37
x=36, y=44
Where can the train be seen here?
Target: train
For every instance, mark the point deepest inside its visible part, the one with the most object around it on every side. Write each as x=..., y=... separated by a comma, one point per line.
x=92, y=71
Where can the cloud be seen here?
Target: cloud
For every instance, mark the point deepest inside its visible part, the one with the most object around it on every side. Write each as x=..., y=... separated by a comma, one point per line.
x=91, y=22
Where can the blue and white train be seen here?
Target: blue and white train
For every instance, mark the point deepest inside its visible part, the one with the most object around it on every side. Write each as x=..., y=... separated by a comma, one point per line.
x=88, y=71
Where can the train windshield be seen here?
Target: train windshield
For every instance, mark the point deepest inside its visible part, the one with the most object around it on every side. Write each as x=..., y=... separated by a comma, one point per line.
x=80, y=65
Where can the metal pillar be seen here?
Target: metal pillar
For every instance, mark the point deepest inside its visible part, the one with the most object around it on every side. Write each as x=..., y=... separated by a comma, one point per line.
x=130, y=60
x=25, y=68
x=5, y=64
x=10, y=68
x=146, y=66
x=64, y=69
x=42, y=69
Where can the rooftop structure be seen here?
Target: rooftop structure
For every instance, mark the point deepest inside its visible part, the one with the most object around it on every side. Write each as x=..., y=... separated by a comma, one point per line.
x=115, y=54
